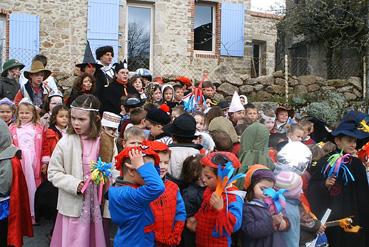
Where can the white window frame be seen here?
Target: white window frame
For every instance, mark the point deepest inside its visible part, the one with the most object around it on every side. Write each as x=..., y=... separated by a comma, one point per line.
x=150, y=6
x=3, y=39
x=212, y=52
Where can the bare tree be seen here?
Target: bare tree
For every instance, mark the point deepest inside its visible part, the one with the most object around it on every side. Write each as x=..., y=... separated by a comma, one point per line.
x=138, y=46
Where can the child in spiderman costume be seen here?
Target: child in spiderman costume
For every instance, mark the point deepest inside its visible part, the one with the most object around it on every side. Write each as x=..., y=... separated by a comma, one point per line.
x=220, y=213
x=169, y=209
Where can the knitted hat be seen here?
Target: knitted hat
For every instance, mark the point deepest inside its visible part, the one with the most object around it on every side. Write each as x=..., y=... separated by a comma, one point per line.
x=290, y=181
x=236, y=104
x=146, y=151
x=158, y=116
x=102, y=50
x=216, y=158
x=257, y=172
x=110, y=120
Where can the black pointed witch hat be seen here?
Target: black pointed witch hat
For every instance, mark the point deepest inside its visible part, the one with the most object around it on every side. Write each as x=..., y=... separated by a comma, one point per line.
x=88, y=58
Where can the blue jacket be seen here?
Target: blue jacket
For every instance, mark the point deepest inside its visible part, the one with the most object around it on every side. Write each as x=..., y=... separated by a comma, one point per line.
x=130, y=208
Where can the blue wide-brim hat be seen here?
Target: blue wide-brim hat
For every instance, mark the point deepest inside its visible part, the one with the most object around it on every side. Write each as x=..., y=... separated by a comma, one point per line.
x=350, y=124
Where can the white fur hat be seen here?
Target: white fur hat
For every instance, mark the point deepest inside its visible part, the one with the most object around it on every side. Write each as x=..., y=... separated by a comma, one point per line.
x=236, y=104
x=110, y=120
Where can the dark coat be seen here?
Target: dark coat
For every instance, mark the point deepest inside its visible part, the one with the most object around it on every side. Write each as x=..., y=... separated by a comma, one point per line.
x=344, y=200
x=111, y=96
x=257, y=226
x=8, y=88
x=192, y=196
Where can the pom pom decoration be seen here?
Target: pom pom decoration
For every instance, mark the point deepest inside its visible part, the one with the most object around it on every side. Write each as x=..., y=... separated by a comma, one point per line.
x=100, y=175
x=336, y=164
x=194, y=100
x=164, y=108
x=275, y=200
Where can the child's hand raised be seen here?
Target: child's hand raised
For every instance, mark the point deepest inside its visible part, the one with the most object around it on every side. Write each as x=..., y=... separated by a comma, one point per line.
x=136, y=159
x=216, y=201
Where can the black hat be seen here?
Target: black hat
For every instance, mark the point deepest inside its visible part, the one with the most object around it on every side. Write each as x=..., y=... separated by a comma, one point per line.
x=120, y=65
x=350, y=124
x=102, y=50
x=182, y=126
x=133, y=102
x=158, y=116
x=224, y=104
x=88, y=58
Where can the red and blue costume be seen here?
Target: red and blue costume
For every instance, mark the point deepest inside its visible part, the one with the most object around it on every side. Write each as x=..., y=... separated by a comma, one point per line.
x=170, y=216
x=214, y=227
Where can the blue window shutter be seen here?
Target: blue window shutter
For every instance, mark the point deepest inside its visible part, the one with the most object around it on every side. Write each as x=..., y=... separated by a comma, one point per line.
x=24, y=37
x=232, y=29
x=103, y=24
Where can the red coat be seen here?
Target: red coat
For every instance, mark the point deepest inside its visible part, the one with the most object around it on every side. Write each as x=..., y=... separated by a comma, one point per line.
x=19, y=220
x=51, y=138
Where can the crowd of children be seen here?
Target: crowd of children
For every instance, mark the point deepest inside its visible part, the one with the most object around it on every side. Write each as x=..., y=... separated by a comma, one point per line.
x=175, y=167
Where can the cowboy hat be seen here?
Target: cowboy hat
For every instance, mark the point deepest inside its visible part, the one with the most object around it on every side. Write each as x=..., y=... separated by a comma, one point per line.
x=37, y=67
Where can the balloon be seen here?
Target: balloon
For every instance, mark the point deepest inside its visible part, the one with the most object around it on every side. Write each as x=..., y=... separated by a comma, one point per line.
x=294, y=156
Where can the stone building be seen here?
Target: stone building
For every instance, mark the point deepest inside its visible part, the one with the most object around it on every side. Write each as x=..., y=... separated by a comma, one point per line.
x=182, y=37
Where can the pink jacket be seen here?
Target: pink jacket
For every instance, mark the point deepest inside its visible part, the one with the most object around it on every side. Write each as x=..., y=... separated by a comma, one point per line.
x=38, y=146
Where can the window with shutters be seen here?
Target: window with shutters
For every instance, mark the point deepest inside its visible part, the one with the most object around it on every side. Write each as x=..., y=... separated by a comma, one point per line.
x=139, y=36
x=204, y=28
x=3, y=38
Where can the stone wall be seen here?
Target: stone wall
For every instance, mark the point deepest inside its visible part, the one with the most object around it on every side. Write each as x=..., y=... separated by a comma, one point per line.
x=62, y=30
x=263, y=28
x=272, y=87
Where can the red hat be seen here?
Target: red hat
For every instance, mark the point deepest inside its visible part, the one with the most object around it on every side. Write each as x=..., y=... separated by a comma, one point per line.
x=156, y=146
x=124, y=154
x=184, y=80
x=159, y=79
x=215, y=158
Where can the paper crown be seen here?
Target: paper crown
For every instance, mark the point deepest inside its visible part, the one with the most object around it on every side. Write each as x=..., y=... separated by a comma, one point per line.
x=236, y=104
x=110, y=119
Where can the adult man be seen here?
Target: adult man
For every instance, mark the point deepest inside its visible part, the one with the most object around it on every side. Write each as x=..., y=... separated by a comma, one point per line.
x=9, y=85
x=105, y=55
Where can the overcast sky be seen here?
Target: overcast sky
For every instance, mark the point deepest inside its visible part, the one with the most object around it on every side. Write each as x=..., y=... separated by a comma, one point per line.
x=265, y=5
